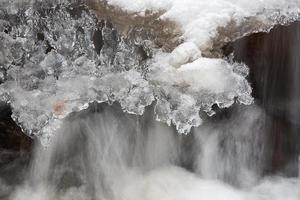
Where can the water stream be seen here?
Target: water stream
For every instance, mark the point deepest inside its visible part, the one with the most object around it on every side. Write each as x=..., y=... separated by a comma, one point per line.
x=126, y=104
x=103, y=153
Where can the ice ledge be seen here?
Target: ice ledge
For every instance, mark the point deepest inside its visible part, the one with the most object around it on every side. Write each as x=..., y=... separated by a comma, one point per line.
x=56, y=58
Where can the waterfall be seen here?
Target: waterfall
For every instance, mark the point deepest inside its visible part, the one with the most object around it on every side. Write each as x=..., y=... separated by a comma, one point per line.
x=137, y=100
x=103, y=153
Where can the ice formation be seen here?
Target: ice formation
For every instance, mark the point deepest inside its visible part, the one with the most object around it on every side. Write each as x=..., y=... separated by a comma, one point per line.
x=57, y=57
x=200, y=19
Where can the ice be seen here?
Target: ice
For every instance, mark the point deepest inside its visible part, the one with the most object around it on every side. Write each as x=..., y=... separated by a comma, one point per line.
x=200, y=19
x=52, y=69
x=184, y=53
x=57, y=57
x=197, y=86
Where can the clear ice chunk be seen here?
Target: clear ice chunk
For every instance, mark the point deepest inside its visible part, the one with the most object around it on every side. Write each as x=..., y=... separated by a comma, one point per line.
x=54, y=62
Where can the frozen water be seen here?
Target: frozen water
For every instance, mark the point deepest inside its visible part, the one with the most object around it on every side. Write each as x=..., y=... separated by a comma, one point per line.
x=199, y=20
x=51, y=67
x=57, y=57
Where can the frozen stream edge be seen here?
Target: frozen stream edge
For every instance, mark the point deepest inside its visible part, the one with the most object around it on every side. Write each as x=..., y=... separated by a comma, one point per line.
x=49, y=68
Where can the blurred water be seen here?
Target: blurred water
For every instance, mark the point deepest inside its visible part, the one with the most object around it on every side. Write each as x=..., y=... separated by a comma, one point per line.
x=273, y=59
x=103, y=153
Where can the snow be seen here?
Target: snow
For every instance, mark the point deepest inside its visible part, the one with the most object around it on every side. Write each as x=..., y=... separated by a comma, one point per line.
x=44, y=88
x=199, y=19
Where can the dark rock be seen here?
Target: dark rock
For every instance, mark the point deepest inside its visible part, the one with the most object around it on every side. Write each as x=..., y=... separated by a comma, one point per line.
x=98, y=41
x=11, y=135
x=15, y=152
x=274, y=62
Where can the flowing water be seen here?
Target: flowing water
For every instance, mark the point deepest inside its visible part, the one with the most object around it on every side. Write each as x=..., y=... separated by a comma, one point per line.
x=103, y=153
x=170, y=123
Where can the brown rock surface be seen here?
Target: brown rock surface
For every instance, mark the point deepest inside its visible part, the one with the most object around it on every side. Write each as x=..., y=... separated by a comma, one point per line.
x=274, y=62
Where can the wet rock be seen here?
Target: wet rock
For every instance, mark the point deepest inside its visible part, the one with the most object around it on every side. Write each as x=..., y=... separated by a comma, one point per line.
x=11, y=135
x=15, y=152
x=274, y=62
x=150, y=27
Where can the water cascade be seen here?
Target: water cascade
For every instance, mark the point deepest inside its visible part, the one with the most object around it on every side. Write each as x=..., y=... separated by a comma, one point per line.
x=131, y=100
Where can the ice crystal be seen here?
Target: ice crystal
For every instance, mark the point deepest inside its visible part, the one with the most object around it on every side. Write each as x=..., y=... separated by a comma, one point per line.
x=56, y=58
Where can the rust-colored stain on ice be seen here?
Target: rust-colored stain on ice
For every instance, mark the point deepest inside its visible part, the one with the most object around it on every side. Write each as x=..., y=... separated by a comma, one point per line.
x=58, y=107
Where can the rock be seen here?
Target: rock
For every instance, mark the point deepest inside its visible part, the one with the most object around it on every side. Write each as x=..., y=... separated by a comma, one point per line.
x=15, y=152
x=11, y=135
x=274, y=62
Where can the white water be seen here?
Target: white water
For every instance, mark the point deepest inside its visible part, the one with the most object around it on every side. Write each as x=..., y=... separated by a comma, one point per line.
x=113, y=156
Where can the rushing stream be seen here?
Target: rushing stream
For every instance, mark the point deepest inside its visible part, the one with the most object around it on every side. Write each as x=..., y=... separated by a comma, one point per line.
x=136, y=100
x=103, y=153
